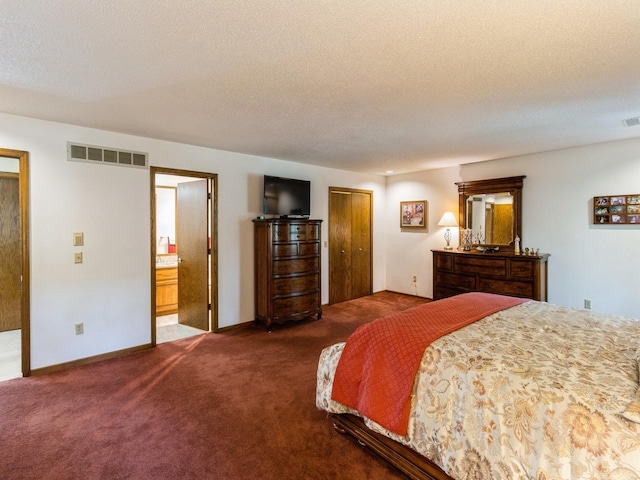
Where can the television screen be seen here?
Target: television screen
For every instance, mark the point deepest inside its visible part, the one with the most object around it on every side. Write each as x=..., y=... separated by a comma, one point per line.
x=287, y=197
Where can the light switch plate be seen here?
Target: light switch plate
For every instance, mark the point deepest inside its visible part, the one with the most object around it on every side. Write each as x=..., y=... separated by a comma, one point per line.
x=77, y=257
x=78, y=239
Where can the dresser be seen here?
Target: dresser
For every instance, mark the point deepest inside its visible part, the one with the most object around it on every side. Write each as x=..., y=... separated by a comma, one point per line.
x=457, y=272
x=287, y=270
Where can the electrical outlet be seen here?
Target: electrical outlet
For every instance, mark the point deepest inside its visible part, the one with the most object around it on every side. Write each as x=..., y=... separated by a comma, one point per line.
x=79, y=328
x=587, y=304
x=415, y=279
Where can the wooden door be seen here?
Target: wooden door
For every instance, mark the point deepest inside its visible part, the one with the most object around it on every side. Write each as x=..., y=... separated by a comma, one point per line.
x=10, y=253
x=349, y=244
x=339, y=247
x=502, y=224
x=360, y=244
x=193, y=254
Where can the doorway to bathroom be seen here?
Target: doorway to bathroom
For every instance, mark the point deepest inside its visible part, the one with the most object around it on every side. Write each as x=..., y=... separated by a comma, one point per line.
x=15, y=356
x=184, y=253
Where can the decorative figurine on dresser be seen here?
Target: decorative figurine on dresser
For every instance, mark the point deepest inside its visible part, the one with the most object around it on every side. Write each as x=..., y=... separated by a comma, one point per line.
x=287, y=269
x=493, y=209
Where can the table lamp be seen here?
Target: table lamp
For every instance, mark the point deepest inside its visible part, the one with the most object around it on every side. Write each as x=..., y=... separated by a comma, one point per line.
x=448, y=220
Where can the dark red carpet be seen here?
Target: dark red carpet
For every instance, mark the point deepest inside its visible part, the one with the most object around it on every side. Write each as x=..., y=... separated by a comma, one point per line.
x=236, y=405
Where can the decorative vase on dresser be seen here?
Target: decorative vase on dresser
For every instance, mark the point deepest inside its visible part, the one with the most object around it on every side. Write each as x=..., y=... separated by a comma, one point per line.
x=457, y=272
x=287, y=270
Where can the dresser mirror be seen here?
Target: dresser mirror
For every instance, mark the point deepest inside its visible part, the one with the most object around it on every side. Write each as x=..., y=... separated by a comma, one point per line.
x=491, y=213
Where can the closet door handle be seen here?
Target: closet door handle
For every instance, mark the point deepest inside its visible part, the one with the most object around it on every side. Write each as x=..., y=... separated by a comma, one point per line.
x=179, y=260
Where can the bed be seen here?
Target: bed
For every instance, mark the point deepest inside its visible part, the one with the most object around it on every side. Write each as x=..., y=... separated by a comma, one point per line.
x=528, y=391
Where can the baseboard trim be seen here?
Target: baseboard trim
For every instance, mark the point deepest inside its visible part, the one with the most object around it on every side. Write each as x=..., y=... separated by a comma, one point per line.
x=87, y=360
x=119, y=353
x=406, y=294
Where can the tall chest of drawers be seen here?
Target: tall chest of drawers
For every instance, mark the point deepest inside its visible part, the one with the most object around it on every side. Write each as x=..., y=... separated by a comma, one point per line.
x=287, y=270
x=457, y=272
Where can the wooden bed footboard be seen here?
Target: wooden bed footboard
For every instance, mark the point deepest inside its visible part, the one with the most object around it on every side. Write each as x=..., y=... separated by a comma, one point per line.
x=403, y=458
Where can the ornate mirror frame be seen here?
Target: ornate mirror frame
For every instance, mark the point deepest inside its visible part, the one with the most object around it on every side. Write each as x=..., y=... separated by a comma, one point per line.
x=511, y=185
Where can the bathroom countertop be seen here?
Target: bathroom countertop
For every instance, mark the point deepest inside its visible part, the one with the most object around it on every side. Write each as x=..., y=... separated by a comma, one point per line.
x=167, y=265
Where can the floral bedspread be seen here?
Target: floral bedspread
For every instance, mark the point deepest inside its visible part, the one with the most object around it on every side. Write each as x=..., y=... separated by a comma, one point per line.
x=532, y=392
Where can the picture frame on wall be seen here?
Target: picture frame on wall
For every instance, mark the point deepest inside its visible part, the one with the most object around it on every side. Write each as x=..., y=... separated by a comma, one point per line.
x=616, y=209
x=413, y=214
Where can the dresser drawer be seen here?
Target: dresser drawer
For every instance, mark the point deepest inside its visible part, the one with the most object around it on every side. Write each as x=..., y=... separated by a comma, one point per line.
x=309, y=248
x=298, y=232
x=298, y=236
x=521, y=269
x=313, y=232
x=506, y=287
x=289, y=285
x=483, y=266
x=456, y=280
x=444, y=262
x=296, y=305
x=280, y=232
x=299, y=265
x=285, y=250
x=293, y=232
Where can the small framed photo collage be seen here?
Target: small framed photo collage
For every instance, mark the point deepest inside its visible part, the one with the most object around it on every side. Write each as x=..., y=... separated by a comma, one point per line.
x=617, y=209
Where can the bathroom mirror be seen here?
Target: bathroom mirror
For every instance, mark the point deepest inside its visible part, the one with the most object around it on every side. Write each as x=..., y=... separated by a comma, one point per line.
x=492, y=210
x=166, y=200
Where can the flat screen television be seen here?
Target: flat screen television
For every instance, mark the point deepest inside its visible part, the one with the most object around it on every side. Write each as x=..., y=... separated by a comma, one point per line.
x=286, y=197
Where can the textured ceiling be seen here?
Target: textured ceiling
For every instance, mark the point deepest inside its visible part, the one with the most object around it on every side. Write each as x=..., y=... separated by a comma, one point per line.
x=358, y=85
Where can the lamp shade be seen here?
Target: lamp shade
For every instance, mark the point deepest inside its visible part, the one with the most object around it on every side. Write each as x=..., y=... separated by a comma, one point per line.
x=448, y=220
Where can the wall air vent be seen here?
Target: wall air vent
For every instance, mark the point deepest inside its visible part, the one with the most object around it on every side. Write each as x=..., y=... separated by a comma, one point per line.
x=92, y=154
x=631, y=122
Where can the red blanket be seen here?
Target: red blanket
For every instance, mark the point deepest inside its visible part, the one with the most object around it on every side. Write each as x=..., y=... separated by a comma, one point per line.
x=377, y=369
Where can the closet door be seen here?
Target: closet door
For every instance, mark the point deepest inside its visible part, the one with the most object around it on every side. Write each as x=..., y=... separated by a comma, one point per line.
x=349, y=244
x=360, y=244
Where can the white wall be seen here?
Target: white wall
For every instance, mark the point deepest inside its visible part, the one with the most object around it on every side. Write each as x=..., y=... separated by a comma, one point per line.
x=110, y=292
x=409, y=250
x=596, y=262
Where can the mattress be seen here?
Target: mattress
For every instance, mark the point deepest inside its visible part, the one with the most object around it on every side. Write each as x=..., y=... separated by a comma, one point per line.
x=536, y=391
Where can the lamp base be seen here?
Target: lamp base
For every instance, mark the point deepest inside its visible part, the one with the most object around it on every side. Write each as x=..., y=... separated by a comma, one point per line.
x=447, y=238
